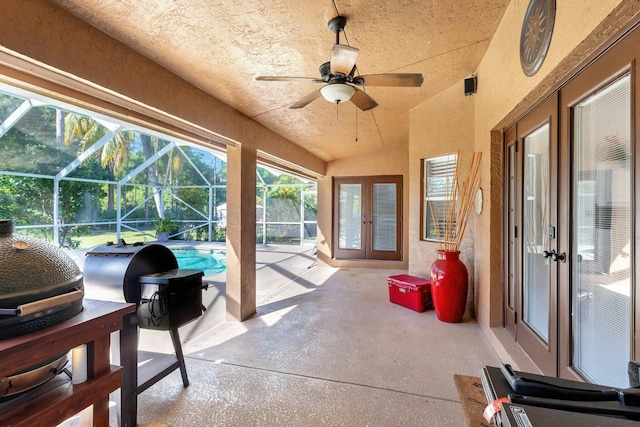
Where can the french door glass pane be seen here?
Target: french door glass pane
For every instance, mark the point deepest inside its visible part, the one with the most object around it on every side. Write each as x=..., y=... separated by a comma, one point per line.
x=601, y=212
x=536, y=269
x=350, y=228
x=384, y=217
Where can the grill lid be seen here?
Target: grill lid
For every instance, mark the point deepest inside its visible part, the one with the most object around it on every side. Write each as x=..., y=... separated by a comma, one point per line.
x=40, y=285
x=33, y=269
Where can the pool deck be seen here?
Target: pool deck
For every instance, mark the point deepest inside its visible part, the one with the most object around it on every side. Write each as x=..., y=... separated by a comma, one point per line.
x=276, y=265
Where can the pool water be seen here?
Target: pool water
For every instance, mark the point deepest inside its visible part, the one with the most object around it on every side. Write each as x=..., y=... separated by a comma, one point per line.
x=209, y=261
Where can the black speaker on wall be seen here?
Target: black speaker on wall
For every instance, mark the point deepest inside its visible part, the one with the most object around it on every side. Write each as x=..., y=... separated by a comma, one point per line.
x=470, y=86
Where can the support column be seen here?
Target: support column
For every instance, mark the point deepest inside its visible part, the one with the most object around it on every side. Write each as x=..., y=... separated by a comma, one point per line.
x=241, y=233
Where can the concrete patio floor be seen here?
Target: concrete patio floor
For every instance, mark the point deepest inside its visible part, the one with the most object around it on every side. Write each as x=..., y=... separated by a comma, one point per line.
x=325, y=348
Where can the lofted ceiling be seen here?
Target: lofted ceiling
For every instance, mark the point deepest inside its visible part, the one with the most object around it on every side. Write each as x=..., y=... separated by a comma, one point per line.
x=221, y=46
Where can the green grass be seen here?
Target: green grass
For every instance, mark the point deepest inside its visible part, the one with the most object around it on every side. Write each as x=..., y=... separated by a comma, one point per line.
x=129, y=236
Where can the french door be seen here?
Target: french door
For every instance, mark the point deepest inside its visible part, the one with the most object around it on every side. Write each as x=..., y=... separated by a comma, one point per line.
x=535, y=251
x=367, y=217
x=571, y=223
x=598, y=306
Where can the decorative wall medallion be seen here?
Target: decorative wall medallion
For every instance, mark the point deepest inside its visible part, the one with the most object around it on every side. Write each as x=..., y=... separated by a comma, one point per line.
x=536, y=34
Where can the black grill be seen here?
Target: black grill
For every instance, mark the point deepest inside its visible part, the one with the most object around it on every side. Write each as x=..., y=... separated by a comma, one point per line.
x=113, y=271
x=166, y=296
x=148, y=275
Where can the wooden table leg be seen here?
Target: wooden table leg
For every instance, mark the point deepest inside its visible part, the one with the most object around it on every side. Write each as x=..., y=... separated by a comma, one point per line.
x=128, y=356
x=98, y=362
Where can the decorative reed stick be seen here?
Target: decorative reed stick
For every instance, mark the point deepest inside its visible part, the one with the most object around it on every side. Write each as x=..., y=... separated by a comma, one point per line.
x=459, y=204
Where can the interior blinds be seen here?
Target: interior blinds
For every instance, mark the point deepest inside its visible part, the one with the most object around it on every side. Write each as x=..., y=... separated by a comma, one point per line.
x=350, y=230
x=384, y=217
x=438, y=179
x=602, y=234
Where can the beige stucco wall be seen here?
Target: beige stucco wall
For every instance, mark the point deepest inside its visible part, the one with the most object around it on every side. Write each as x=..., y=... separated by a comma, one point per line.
x=440, y=126
x=502, y=86
x=451, y=120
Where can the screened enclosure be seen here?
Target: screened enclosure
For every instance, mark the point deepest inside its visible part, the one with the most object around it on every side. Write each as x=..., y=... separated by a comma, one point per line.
x=78, y=178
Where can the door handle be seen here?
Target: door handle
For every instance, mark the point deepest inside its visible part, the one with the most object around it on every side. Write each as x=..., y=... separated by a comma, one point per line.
x=555, y=256
x=559, y=256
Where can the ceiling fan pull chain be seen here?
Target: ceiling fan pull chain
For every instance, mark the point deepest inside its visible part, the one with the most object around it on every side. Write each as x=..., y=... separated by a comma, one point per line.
x=356, y=124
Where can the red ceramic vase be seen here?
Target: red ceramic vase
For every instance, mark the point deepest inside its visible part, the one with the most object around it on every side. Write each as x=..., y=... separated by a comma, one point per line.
x=449, y=283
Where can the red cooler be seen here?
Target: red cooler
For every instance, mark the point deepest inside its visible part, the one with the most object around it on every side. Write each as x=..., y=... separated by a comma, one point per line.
x=411, y=292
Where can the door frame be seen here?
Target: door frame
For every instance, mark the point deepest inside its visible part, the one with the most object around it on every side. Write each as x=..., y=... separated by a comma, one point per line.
x=512, y=242
x=366, y=251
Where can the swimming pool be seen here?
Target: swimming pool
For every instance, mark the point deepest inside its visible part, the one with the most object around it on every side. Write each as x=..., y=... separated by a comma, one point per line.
x=208, y=260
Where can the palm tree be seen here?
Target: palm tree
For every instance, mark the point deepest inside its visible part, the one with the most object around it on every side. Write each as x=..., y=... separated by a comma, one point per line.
x=117, y=151
x=150, y=145
x=60, y=127
x=114, y=153
x=175, y=167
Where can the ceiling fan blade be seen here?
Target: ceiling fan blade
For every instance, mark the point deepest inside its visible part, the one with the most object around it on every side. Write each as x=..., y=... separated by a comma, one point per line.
x=288, y=79
x=363, y=101
x=343, y=58
x=398, y=79
x=306, y=100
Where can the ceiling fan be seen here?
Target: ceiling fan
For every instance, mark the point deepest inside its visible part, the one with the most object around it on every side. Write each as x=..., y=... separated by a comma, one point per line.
x=339, y=76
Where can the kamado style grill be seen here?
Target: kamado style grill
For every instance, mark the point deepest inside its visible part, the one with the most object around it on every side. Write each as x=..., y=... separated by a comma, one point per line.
x=40, y=286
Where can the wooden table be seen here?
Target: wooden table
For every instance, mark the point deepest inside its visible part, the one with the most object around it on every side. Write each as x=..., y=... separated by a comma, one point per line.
x=58, y=400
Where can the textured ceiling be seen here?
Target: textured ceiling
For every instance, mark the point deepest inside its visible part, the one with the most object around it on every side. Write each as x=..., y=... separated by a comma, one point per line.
x=221, y=46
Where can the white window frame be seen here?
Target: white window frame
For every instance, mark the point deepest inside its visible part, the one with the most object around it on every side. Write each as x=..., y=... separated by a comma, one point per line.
x=437, y=178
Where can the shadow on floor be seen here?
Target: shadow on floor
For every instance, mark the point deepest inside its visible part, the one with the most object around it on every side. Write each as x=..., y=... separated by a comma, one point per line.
x=326, y=348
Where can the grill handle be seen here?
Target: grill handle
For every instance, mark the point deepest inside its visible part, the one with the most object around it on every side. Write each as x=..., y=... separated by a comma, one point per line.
x=42, y=305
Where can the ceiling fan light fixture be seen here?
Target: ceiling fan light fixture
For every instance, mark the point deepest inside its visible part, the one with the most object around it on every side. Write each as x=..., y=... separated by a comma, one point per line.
x=337, y=92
